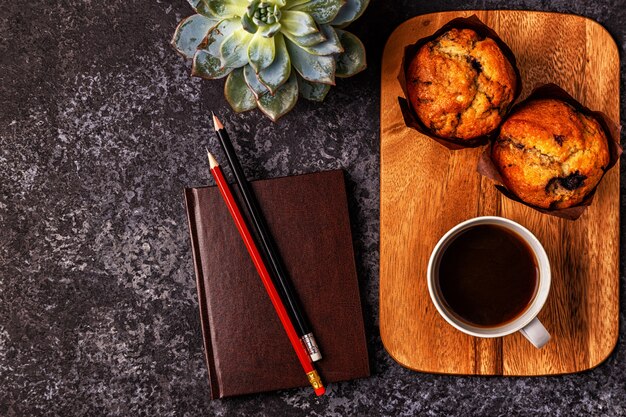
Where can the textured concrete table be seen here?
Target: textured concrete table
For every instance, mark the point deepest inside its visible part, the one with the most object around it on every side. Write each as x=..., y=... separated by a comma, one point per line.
x=100, y=128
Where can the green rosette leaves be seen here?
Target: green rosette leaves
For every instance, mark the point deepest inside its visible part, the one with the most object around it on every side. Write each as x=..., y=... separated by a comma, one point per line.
x=332, y=44
x=261, y=51
x=218, y=35
x=298, y=23
x=277, y=105
x=314, y=68
x=253, y=83
x=313, y=91
x=208, y=66
x=279, y=71
x=232, y=51
x=272, y=50
x=201, y=7
x=352, y=10
x=237, y=93
x=323, y=11
x=311, y=39
x=190, y=33
x=352, y=60
x=226, y=9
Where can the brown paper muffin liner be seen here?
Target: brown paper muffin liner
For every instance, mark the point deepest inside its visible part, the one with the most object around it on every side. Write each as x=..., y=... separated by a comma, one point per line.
x=611, y=129
x=410, y=117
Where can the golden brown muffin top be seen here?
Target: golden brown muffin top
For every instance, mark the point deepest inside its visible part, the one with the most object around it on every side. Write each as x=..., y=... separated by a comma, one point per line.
x=551, y=155
x=460, y=85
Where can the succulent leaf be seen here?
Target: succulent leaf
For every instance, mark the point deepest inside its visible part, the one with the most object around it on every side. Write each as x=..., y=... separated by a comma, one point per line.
x=277, y=105
x=294, y=3
x=194, y=3
x=352, y=60
x=351, y=11
x=261, y=51
x=219, y=33
x=237, y=93
x=314, y=68
x=206, y=61
x=248, y=24
x=312, y=91
x=234, y=49
x=308, y=40
x=226, y=9
x=190, y=33
x=252, y=6
x=270, y=30
x=208, y=66
x=323, y=11
x=279, y=71
x=257, y=88
x=298, y=23
x=200, y=6
x=331, y=45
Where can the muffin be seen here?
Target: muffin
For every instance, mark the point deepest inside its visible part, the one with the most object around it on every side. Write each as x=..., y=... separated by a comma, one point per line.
x=550, y=155
x=461, y=85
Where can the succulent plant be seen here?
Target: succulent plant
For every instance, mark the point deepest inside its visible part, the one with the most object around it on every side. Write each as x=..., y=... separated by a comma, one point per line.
x=272, y=50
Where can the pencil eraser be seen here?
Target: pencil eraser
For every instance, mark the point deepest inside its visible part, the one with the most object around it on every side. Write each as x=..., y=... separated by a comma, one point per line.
x=320, y=391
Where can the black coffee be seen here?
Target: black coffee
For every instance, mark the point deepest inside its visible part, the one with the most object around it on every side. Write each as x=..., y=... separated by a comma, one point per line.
x=488, y=275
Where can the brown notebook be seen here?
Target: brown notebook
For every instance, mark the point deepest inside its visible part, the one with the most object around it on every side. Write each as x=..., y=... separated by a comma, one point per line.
x=246, y=348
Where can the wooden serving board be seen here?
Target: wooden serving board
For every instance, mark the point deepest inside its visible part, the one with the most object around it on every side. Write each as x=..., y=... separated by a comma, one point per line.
x=426, y=189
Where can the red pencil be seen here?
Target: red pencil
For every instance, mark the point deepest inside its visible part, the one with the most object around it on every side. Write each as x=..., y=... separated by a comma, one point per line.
x=235, y=212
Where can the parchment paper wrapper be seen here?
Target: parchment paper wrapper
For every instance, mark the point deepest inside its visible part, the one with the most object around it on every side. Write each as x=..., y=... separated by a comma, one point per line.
x=487, y=167
x=410, y=117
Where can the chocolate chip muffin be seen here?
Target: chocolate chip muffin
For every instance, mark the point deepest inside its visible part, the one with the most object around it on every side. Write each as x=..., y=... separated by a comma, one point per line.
x=549, y=154
x=460, y=85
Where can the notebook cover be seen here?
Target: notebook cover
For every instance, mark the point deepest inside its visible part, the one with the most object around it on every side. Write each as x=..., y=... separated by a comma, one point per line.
x=246, y=348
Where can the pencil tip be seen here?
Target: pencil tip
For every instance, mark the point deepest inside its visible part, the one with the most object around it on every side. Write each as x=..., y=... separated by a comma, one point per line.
x=216, y=122
x=212, y=161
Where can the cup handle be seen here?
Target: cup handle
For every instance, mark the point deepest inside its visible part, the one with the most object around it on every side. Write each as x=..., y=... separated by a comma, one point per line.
x=536, y=333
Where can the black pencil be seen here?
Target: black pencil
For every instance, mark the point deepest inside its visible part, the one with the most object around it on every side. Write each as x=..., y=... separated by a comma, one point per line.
x=267, y=244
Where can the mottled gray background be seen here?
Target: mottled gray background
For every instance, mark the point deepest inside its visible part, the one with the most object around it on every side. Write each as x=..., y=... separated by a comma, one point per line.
x=100, y=128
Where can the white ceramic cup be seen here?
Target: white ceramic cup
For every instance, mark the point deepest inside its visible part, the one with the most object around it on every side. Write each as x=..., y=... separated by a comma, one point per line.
x=527, y=322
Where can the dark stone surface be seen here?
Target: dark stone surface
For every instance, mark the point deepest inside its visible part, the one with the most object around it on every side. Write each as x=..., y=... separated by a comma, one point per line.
x=100, y=128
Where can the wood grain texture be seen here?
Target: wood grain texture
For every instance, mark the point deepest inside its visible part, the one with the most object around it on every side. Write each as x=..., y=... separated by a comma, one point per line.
x=426, y=189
